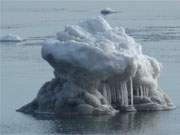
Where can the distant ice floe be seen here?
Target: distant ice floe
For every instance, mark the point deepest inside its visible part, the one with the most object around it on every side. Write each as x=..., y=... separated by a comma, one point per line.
x=10, y=38
x=98, y=69
x=107, y=11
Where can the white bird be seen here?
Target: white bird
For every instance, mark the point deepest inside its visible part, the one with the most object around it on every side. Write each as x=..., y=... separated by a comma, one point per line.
x=107, y=11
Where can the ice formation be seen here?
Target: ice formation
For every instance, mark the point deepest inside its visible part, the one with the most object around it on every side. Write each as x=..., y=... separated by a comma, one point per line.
x=98, y=69
x=107, y=11
x=10, y=38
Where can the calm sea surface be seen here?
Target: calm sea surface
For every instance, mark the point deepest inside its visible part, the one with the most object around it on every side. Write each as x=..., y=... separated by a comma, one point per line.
x=156, y=25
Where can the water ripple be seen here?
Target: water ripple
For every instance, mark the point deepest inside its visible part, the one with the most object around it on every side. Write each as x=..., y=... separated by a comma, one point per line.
x=155, y=33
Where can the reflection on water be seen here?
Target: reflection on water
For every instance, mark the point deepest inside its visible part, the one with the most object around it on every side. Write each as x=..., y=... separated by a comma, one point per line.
x=139, y=123
x=121, y=123
x=155, y=33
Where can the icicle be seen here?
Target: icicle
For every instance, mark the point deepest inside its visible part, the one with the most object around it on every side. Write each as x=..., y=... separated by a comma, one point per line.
x=112, y=94
x=126, y=94
x=131, y=91
x=137, y=90
x=104, y=91
x=115, y=94
x=109, y=95
x=147, y=92
x=141, y=91
x=118, y=94
x=116, y=89
x=122, y=93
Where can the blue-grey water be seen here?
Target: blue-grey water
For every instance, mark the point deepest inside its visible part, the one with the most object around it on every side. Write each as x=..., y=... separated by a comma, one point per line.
x=156, y=25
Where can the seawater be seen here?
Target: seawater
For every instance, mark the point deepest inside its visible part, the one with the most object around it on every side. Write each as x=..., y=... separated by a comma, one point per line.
x=156, y=25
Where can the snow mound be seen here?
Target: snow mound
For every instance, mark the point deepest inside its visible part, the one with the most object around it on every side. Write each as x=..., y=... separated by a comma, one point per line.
x=98, y=69
x=11, y=38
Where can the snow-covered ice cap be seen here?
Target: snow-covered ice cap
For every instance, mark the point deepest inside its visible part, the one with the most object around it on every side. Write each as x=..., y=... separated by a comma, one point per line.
x=101, y=49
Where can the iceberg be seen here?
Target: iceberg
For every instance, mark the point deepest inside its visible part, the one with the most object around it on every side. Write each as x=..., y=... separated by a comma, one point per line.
x=98, y=70
x=10, y=38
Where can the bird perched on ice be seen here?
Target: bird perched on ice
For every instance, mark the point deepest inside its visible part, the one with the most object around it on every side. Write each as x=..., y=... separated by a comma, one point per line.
x=107, y=11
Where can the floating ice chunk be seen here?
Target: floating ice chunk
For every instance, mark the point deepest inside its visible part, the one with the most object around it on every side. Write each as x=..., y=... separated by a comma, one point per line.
x=11, y=38
x=98, y=69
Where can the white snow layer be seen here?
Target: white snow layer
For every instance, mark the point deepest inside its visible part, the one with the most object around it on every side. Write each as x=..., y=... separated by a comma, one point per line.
x=10, y=38
x=96, y=46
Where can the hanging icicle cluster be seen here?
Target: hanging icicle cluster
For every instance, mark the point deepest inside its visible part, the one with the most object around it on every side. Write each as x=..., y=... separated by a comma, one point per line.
x=118, y=93
x=142, y=91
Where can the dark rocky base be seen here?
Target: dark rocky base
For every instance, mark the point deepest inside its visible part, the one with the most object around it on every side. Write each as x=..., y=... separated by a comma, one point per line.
x=52, y=99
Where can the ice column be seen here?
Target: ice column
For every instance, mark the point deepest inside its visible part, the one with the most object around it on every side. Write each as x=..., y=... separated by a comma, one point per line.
x=137, y=91
x=119, y=95
x=145, y=91
x=141, y=91
x=106, y=92
x=124, y=94
x=131, y=91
